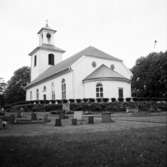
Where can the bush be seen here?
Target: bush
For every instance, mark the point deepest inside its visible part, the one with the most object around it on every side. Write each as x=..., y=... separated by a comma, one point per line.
x=121, y=99
x=78, y=100
x=85, y=100
x=38, y=108
x=91, y=100
x=53, y=107
x=71, y=100
x=105, y=100
x=128, y=99
x=113, y=99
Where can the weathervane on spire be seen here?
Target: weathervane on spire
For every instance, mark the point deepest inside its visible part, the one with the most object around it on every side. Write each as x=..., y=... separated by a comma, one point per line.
x=47, y=23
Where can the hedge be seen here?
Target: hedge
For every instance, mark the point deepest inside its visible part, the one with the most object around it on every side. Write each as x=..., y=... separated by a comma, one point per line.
x=116, y=106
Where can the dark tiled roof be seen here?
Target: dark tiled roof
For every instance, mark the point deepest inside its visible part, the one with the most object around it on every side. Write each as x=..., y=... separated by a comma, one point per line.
x=65, y=64
x=104, y=72
x=47, y=47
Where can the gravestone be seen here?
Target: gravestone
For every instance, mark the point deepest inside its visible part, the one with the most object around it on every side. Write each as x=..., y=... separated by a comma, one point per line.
x=45, y=118
x=106, y=117
x=90, y=120
x=78, y=115
x=58, y=122
x=66, y=107
x=74, y=121
x=33, y=116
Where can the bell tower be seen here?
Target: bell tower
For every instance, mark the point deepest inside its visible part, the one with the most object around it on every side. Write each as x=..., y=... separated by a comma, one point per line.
x=46, y=35
x=46, y=54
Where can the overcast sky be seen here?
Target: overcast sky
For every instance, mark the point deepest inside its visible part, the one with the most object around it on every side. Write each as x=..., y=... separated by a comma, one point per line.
x=123, y=28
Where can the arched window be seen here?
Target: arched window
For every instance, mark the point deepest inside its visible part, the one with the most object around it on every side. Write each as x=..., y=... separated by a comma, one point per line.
x=37, y=94
x=63, y=88
x=44, y=97
x=53, y=91
x=35, y=60
x=51, y=59
x=30, y=95
x=44, y=89
x=99, y=90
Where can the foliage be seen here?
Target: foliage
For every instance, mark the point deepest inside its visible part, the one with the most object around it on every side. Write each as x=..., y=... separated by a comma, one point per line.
x=150, y=76
x=16, y=85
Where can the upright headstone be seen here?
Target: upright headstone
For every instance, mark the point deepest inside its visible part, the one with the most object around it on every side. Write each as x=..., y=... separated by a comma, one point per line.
x=33, y=116
x=66, y=107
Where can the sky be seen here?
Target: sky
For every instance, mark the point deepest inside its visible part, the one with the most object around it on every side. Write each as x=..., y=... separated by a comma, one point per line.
x=125, y=29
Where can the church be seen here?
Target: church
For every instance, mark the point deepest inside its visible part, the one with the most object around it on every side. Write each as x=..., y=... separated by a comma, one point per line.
x=90, y=73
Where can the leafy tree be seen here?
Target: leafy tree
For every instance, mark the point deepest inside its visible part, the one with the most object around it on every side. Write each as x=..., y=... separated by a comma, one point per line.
x=15, y=91
x=150, y=76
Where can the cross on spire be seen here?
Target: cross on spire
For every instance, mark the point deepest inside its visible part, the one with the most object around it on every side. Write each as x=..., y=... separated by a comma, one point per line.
x=155, y=42
x=47, y=23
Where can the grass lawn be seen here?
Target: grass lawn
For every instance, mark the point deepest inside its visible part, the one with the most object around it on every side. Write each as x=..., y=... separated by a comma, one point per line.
x=132, y=147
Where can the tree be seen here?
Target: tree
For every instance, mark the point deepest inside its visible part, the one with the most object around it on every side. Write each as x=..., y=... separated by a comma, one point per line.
x=150, y=76
x=15, y=91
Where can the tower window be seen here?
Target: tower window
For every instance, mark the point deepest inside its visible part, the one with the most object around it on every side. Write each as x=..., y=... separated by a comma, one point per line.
x=35, y=60
x=48, y=36
x=51, y=59
x=120, y=93
x=99, y=90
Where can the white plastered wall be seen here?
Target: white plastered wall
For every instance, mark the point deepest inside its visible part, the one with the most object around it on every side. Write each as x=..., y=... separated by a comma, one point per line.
x=57, y=87
x=42, y=62
x=110, y=89
x=83, y=67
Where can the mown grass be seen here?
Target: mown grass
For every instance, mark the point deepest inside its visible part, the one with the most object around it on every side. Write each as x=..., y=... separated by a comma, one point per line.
x=134, y=147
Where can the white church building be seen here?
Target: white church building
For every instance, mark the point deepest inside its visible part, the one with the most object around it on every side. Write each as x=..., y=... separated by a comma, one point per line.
x=91, y=73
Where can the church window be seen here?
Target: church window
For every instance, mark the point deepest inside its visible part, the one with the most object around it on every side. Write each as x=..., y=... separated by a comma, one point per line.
x=35, y=60
x=37, y=94
x=120, y=92
x=63, y=87
x=44, y=89
x=93, y=64
x=99, y=90
x=53, y=91
x=112, y=66
x=51, y=59
x=30, y=95
x=44, y=97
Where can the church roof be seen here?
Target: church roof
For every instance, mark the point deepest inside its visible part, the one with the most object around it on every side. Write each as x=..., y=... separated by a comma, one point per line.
x=46, y=28
x=105, y=73
x=47, y=47
x=66, y=64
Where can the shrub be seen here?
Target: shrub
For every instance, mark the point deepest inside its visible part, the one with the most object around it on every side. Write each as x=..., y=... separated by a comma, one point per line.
x=64, y=101
x=105, y=100
x=53, y=107
x=113, y=99
x=59, y=101
x=91, y=100
x=71, y=100
x=38, y=108
x=85, y=100
x=78, y=100
x=99, y=100
x=128, y=99
x=121, y=99
x=53, y=101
